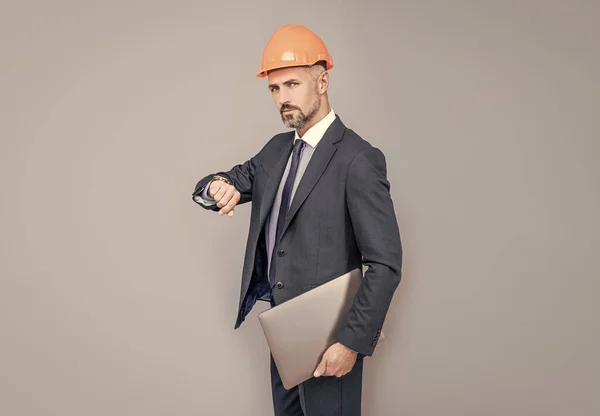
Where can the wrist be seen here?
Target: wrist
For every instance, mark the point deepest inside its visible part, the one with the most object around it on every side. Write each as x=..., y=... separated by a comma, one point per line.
x=349, y=349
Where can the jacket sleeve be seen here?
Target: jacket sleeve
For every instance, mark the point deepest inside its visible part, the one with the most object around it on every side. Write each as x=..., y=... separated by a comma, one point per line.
x=202, y=196
x=240, y=175
x=376, y=231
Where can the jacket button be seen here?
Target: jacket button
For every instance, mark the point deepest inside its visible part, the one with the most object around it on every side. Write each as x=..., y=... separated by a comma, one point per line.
x=279, y=285
x=280, y=253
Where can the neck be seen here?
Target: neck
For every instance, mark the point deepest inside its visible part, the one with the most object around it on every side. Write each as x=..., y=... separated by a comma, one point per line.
x=318, y=116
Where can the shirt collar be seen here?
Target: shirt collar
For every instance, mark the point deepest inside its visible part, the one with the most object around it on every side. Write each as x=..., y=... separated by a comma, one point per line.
x=316, y=132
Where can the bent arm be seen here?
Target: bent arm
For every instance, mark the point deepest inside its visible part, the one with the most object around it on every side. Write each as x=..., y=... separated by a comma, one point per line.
x=241, y=177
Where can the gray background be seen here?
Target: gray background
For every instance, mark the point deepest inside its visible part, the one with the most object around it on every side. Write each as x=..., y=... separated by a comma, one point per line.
x=118, y=294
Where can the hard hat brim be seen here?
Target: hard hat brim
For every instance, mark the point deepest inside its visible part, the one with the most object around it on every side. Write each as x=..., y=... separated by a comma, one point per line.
x=265, y=71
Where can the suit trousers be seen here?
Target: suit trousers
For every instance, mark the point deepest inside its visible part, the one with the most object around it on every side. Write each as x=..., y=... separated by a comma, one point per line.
x=319, y=396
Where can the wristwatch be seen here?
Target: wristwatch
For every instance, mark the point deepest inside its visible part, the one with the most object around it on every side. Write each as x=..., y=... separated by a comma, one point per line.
x=217, y=178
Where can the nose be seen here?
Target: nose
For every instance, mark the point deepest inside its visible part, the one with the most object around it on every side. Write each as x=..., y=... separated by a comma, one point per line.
x=282, y=99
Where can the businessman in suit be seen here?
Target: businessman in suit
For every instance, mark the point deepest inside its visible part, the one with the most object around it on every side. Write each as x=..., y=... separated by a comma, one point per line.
x=321, y=206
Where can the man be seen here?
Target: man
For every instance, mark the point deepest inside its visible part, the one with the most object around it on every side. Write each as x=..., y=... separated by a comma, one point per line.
x=320, y=207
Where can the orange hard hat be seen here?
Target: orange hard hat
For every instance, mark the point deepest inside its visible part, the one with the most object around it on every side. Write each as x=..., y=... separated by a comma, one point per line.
x=293, y=45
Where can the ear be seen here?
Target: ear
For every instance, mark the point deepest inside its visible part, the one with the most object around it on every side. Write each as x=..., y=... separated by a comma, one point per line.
x=323, y=82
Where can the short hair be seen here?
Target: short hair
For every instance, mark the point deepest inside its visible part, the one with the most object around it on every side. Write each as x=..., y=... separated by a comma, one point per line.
x=318, y=68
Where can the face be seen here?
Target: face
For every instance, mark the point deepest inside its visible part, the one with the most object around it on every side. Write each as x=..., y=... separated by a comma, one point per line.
x=296, y=93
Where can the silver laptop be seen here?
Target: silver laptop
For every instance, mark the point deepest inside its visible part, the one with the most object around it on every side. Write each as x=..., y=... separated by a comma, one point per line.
x=300, y=330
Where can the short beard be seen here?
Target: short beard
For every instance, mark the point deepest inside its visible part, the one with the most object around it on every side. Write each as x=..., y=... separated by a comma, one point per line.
x=301, y=120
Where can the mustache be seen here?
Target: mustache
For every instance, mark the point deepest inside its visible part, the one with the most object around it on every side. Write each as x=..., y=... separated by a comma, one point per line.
x=287, y=107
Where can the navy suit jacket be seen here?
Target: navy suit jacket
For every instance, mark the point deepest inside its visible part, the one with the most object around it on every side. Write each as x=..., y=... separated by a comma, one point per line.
x=341, y=218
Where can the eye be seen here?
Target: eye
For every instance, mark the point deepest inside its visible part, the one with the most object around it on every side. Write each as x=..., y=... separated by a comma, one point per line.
x=293, y=84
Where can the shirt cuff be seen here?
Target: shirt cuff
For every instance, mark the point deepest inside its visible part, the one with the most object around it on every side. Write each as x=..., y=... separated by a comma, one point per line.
x=203, y=197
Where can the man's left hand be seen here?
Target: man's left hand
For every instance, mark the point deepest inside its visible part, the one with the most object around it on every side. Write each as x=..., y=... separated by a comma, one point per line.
x=337, y=361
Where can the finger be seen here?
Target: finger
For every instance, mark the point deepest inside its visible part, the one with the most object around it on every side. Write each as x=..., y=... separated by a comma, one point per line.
x=227, y=195
x=321, y=368
x=221, y=190
x=232, y=202
x=335, y=367
x=214, y=188
x=223, y=196
x=331, y=369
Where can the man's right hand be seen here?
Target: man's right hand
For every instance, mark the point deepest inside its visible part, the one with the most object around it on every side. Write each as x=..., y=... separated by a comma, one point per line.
x=225, y=195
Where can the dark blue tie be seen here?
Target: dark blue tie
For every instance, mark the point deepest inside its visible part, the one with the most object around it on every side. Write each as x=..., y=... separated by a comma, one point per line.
x=287, y=191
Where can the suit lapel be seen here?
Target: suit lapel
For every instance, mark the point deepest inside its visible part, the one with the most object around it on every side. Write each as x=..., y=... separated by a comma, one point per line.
x=318, y=162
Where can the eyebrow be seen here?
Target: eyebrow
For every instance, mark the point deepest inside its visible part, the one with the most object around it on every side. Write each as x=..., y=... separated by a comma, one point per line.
x=285, y=82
